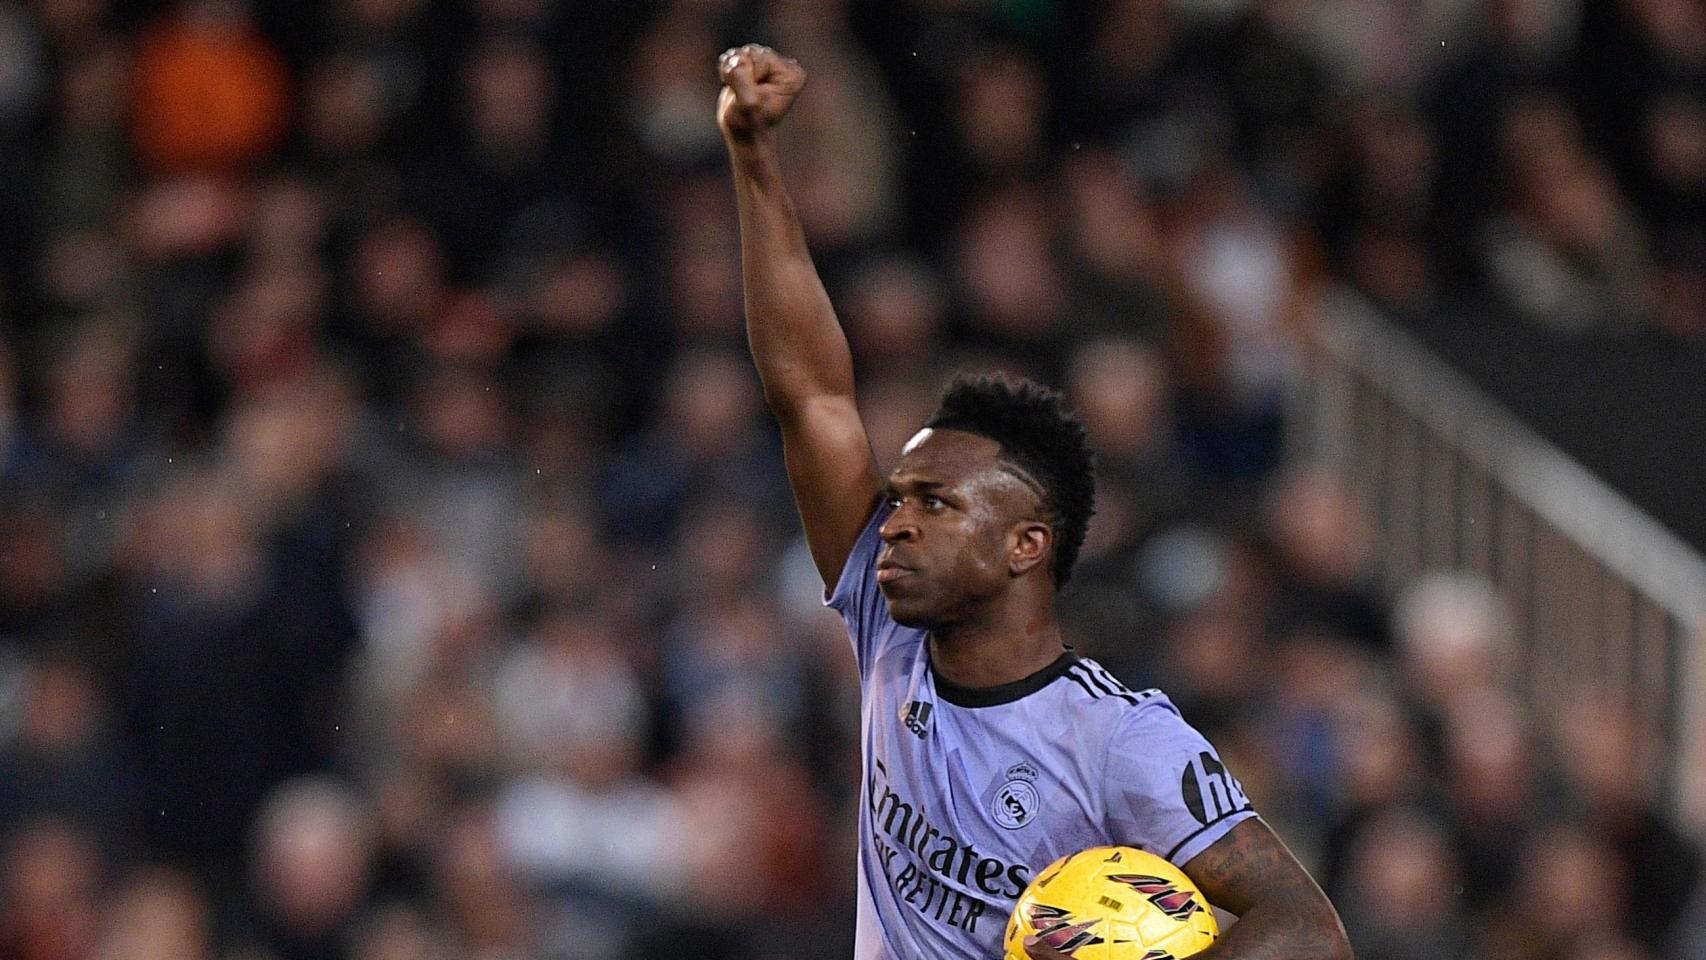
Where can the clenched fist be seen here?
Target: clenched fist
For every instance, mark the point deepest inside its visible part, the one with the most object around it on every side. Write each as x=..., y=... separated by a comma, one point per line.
x=759, y=85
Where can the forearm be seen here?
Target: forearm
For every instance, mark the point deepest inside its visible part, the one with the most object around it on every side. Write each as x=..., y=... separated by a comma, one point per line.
x=1283, y=930
x=1282, y=913
x=797, y=343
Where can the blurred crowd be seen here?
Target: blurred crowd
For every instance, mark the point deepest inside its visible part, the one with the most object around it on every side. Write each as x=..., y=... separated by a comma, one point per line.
x=395, y=558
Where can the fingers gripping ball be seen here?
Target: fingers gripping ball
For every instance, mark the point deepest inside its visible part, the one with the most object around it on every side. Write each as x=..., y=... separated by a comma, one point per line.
x=1112, y=903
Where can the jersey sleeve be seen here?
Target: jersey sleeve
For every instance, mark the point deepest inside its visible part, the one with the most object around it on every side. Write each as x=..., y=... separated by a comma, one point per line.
x=856, y=597
x=1166, y=790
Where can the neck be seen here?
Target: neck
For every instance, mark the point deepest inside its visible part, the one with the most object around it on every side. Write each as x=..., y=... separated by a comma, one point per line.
x=991, y=651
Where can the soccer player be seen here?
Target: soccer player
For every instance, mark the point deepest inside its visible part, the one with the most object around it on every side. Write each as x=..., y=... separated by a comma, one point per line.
x=989, y=748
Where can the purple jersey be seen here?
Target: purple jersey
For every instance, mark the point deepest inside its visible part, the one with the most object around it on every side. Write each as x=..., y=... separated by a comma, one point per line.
x=968, y=793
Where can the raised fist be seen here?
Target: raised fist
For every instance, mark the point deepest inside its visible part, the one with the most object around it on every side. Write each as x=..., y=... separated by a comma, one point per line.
x=759, y=85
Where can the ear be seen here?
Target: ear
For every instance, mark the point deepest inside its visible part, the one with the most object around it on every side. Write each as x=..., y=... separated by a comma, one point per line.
x=1031, y=544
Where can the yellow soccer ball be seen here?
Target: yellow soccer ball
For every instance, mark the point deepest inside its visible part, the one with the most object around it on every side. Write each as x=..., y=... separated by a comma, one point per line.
x=1112, y=903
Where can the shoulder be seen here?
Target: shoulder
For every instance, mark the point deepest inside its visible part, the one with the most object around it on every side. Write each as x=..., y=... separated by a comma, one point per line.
x=1142, y=727
x=1090, y=682
x=1104, y=713
x=1154, y=724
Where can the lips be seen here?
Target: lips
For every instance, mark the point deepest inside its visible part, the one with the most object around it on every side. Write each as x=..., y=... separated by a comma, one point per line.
x=888, y=570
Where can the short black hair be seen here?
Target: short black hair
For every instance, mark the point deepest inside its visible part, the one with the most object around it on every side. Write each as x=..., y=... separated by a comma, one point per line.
x=1040, y=437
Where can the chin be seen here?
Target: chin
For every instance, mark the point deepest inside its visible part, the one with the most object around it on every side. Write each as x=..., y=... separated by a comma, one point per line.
x=909, y=619
x=910, y=615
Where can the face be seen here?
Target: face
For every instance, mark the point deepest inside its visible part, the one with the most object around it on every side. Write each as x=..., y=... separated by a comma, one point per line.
x=964, y=529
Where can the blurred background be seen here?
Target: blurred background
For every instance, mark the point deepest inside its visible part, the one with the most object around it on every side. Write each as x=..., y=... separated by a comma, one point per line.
x=396, y=562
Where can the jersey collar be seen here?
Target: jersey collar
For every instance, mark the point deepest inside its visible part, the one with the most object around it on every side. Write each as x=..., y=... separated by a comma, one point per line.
x=1005, y=693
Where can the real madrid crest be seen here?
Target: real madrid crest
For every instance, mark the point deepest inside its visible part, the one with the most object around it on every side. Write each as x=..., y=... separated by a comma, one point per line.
x=1016, y=802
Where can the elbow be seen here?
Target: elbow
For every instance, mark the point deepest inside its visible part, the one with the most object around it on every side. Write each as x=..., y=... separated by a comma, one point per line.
x=1318, y=938
x=787, y=406
x=1336, y=943
x=785, y=397
x=787, y=388
x=1300, y=930
x=1321, y=933
x=1315, y=931
x=794, y=399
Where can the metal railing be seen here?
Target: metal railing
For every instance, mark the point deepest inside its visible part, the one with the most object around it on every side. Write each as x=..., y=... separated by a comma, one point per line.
x=1604, y=600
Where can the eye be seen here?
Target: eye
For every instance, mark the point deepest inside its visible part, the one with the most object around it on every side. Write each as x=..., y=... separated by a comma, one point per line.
x=933, y=502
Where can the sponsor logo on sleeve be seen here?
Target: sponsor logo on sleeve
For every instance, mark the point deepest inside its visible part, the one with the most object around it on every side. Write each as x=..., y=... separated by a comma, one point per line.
x=1208, y=791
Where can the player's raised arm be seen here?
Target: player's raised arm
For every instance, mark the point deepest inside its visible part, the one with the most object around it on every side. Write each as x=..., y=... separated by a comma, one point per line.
x=797, y=343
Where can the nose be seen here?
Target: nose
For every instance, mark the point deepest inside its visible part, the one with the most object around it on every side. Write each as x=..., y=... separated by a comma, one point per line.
x=897, y=528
